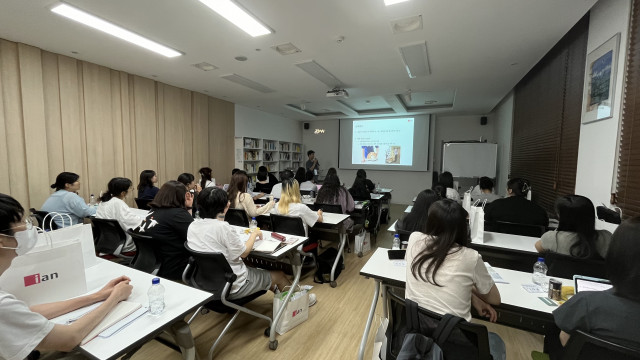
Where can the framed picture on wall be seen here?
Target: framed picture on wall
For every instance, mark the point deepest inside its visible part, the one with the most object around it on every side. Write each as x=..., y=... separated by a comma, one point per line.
x=600, y=79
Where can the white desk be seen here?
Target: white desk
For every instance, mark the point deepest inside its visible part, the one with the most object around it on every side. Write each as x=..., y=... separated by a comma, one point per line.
x=408, y=209
x=414, y=198
x=179, y=301
x=509, y=241
x=377, y=196
x=392, y=228
x=514, y=298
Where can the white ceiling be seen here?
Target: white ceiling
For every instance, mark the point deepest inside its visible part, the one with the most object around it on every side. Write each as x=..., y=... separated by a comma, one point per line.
x=478, y=49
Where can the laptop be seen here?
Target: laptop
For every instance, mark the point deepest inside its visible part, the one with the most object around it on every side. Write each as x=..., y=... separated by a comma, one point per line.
x=586, y=283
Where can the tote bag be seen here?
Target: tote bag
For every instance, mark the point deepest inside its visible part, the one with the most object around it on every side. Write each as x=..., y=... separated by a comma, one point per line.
x=363, y=243
x=296, y=312
x=477, y=222
x=81, y=233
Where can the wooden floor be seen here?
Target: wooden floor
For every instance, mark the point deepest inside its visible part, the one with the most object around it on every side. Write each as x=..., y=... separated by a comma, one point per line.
x=333, y=331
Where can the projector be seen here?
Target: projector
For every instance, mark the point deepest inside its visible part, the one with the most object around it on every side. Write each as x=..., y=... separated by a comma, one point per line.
x=337, y=93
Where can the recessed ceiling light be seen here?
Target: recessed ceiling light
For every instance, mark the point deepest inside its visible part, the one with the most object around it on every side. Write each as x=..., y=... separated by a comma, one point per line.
x=241, y=58
x=286, y=49
x=415, y=59
x=248, y=83
x=205, y=66
x=237, y=16
x=97, y=23
x=408, y=24
x=392, y=2
x=317, y=71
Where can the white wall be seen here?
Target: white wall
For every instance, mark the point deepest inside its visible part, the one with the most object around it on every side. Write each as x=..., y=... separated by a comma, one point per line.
x=598, y=149
x=502, y=118
x=405, y=184
x=259, y=124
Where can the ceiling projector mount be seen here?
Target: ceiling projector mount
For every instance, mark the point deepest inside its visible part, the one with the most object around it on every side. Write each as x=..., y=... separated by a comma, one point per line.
x=337, y=92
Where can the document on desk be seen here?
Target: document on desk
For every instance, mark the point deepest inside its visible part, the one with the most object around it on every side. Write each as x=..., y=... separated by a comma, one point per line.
x=266, y=245
x=118, y=313
x=494, y=275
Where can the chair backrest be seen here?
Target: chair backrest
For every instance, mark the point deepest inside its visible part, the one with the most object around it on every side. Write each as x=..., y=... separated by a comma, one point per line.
x=305, y=192
x=142, y=203
x=330, y=208
x=585, y=346
x=237, y=217
x=210, y=272
x=287, y=224
x=146, y=258
x=517, y=229
x=109, y=235
x=506, y=258
x=44, y=225
x=467, y=341
x=565, y=266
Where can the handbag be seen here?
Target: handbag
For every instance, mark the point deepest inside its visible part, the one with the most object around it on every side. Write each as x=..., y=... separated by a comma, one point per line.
x=296, y=311
x=79, y=232
x=477, y=222
x=466, y=201
x=363, y=243
x=47, y=274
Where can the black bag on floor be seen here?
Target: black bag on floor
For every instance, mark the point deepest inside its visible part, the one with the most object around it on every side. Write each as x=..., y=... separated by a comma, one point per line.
x=384, y=216
x=325, y=263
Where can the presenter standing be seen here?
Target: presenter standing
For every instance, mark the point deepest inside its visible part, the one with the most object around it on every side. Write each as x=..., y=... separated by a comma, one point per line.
x=313, y=165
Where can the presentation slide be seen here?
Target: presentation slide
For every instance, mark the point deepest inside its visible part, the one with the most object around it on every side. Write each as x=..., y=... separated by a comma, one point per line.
x=382, y=142
x=395, y=144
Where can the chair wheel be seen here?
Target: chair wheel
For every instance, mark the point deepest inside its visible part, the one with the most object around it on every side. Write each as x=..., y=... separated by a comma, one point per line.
x=333, y=284
x=273, y=344
x=360, y=254
x=267, y=332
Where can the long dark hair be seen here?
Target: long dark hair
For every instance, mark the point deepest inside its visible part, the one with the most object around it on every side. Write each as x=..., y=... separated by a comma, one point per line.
x=301, y=175
x=577, y=214
x=211, y=202
x=519, y=186
x=447, y=225
x=170, y=195
x=145, y=179
x=115, y=187
x=622, y=262
x=263, y=173
x=440, y=190
x=63, y=179
x=238, y=185
x=330, y=190
x=446, y=179
x=415, y=220
x=186, y=178
x=205, y=173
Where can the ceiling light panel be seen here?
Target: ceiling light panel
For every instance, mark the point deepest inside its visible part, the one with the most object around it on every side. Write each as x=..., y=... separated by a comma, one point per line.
x=286, y=49
x=393, y=2
x=408, y=24
x=415, y=59
x=248, y=83
x=205, y=66
x=238, y=16
x=97, y=23
x=314, y=69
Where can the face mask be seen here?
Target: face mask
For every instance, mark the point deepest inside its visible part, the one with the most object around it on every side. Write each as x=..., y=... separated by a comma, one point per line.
x=26, y=239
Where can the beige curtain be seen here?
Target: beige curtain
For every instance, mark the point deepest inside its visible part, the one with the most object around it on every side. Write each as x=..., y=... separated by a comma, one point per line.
x=62, y=114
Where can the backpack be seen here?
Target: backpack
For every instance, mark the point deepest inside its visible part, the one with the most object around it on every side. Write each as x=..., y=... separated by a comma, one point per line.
x=417, y=346
x=325, y=263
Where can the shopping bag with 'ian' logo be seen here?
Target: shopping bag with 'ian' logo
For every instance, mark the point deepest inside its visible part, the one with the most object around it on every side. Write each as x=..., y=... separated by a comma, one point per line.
x=296, y=311
x=47, y=274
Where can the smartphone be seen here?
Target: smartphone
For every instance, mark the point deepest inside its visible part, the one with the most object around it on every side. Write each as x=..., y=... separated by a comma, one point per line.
x=396, y=254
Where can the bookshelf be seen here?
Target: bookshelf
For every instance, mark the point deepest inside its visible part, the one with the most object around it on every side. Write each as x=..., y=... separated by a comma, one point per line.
x=276, y=155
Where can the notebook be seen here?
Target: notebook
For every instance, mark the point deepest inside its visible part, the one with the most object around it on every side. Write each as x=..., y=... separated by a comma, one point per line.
x=119, y=312
x=586, y=283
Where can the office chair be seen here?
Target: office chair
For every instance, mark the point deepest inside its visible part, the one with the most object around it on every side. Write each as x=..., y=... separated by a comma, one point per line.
x=585, y=346
x=330, y=208
x=142, y=203
x=237, y=217
x=211, y=272
x=469, y=341
x=146, y=259
x=109, y=238
x=40, y=216
x=293, y=225
x=565, y=266
x=506, y=227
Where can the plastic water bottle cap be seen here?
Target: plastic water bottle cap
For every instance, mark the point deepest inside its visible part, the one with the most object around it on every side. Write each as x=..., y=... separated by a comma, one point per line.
x=155, y=281
x=541, y=259
x=396, y=235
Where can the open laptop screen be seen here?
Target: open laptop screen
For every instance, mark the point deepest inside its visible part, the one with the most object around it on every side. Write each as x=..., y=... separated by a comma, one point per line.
x=586, y=283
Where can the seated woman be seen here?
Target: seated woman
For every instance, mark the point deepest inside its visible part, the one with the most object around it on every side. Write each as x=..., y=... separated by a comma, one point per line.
x=213, y=234
x=276, y=191
x=23, y=328
x=240, y=199
x=301, y=175
x=576, y=234
x=194, y=188
x=206, y=177
x=265, y=182
x=613, y=314
x=168, y=222
x=308, y=184
x=515, y=208
x=332, y=192
x=112, y=206
x=290, y=204
x=146, y=188
x=66, y=201
x=446, y=179
x=446, y=276
x=415, y=220
x=362, y=187
x=332, y=171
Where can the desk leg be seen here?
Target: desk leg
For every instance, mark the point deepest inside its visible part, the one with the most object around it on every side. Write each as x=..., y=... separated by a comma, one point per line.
x=367, y=328
x=181, y=333
x=294, y=259
x=343, y=240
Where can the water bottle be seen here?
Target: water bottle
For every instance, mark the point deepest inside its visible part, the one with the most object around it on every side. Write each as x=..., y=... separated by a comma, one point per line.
x=253, y=224
x=156, y=297
x=540, y=273
x=92, y=200
x=197, y=215
x=396, y=242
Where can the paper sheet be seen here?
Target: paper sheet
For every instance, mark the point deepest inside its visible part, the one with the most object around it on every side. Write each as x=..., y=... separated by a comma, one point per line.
x=494, y=275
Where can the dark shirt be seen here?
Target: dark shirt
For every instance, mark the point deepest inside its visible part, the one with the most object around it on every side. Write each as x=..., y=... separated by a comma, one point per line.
x=266, y=188
x=603, y=314
x=360, y=192
x=168, y=227
x=148, y=193
x=370, y=185
x=516, y=209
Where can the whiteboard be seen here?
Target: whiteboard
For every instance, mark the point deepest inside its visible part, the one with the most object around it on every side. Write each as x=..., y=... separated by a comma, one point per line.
x=470, y=159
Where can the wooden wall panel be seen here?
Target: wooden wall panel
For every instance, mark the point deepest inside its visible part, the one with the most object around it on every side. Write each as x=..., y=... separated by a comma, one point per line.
x=13, y=118
x=61, y=114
